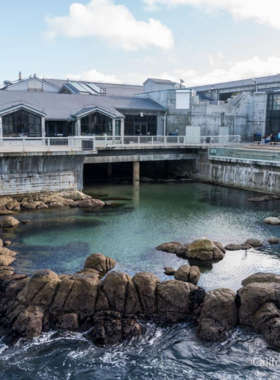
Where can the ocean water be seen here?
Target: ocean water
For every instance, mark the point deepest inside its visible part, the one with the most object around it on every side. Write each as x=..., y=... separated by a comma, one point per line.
x=129, y=230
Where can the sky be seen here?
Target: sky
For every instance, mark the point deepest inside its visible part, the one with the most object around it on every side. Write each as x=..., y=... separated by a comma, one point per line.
x=127, y=41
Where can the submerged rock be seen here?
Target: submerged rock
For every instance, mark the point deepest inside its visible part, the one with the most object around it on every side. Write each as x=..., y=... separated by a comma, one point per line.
x=253, y=242
x=171, y=247
x=273, y=240
x=272, y=220
x=8, y=222
x=169, y=271
x=237, y=247
x=91, y=203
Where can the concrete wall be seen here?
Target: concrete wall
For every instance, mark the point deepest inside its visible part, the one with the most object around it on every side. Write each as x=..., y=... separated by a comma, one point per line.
x=249, y=176
x=24, y=173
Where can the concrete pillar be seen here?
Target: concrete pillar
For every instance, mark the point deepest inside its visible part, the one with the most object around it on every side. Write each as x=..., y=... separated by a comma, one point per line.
x=109, y=170
x=43, y=127
x=136, y=173
x=122, y=127
x=113, y=128
x=1, y=127
x=78, y=128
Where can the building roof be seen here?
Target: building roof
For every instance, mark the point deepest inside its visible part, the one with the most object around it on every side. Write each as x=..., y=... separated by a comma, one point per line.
x=111, y=89
x=63, y=106
x=271, y=79
x=160, y=81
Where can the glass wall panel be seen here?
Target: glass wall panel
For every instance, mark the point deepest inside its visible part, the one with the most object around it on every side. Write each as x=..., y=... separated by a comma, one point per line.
x=22, y=123
x=96, y=124
x=140, y=125
x=273, y=113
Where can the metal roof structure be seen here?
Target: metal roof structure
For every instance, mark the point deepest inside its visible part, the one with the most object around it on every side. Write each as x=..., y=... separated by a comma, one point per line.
x=160, y=81
x=64, y=107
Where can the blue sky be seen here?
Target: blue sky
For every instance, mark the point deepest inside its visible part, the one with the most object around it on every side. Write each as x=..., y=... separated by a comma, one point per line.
x=200, y=41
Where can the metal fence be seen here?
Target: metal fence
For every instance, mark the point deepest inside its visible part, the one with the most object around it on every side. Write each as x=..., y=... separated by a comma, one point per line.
x=92, y=143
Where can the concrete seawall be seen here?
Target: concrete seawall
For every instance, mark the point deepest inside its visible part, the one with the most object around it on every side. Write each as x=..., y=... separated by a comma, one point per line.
x=36, y=172
x=256, y=176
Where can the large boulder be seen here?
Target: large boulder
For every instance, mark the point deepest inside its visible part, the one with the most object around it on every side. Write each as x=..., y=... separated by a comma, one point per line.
x=13, y=205
x=29, y=323
x=173, y=300
x=254, y=242
x=91, y=203
x=4, y=201
x=253, y=296
x=40, y=289
x=188, y=273
x=204, y=250
x=146, y=285
x=110, y=328
x=75, y=195
x=272, y=220
x=172, y=247
x=218, y=316
x=267, y=322
x=8, y=222
x=100, y=263
x=261, y=277
x=273, y=240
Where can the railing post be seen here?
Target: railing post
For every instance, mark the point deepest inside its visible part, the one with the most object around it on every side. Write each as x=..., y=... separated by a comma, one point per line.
x=165, y=141
x=178, y=140
x=138, y=140
x=93, y=144
x=49, y=143
x=122, y=139
x=23, y=143
x=152, y=140
x=105, y=140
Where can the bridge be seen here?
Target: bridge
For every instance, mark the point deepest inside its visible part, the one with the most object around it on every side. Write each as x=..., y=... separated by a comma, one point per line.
x=56, y=163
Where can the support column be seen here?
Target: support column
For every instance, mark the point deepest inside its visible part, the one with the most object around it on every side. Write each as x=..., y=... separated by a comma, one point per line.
x=136, y=173
x=122, y=126
x=109, y=170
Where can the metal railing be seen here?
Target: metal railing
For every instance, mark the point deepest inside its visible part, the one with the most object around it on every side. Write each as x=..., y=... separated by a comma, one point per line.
x=264, y=156
x=91, y=143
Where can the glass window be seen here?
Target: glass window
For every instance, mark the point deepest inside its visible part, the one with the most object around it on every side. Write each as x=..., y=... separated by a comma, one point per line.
x=96, y=124
x=22, y=123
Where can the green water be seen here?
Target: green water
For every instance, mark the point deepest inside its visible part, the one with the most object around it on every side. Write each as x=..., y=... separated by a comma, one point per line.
x=130, y=230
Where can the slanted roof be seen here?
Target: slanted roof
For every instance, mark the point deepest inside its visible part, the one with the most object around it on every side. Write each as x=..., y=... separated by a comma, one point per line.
x=64, y=106
x=160, y=81
x=110, y=89
x=18, y=107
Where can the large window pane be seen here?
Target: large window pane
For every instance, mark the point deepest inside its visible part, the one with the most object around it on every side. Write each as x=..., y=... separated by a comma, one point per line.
x=96, y=124
x=22, y=123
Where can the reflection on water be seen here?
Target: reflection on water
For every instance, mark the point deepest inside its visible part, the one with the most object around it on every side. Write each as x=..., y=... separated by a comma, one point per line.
x=129, y=231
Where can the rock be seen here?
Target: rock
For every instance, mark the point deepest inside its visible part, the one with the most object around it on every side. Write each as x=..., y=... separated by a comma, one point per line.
x=25, y=221
x=171, y=247
x=169, y=271
x=6, y=252
x=265, y=198
x=267, y=322
x=29, y=323
x=82, y=297
x=100, y=263
x=218, y=316
x=13, y=205
x=110, y=328
x=74, y=195
x=42, y=206
x=261, y=277
x=4, y=201
x=204, y=250
x=68, y=321
x=237, y=247
x=55, y=204
x=272, y=220
x=6, y=260
x=253, y=242
x=220, y=246
x=1, y=243
x=188, y=273
x=91, y=203
x=173, y=300
x=146, y=285
x=8, y=222
x=40, y=289
x=273, y=240
x=7, y=242
x=29, y=205
x=114, y=286
x=6, y=212
x=253, y=296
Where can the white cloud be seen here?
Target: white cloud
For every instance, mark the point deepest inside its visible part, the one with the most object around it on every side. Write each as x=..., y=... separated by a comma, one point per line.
x=263, y=12
x=112, y=23
x=94, y=76
x=254, y=67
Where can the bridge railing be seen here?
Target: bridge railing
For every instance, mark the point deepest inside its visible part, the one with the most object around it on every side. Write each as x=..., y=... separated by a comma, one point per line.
x=91, y=143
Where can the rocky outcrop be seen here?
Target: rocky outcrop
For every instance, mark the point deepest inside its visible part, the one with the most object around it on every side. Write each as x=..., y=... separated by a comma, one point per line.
x=99, y=262
x=200, y=250
x=218, y=316
x=188, y=273
x=43, y=201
